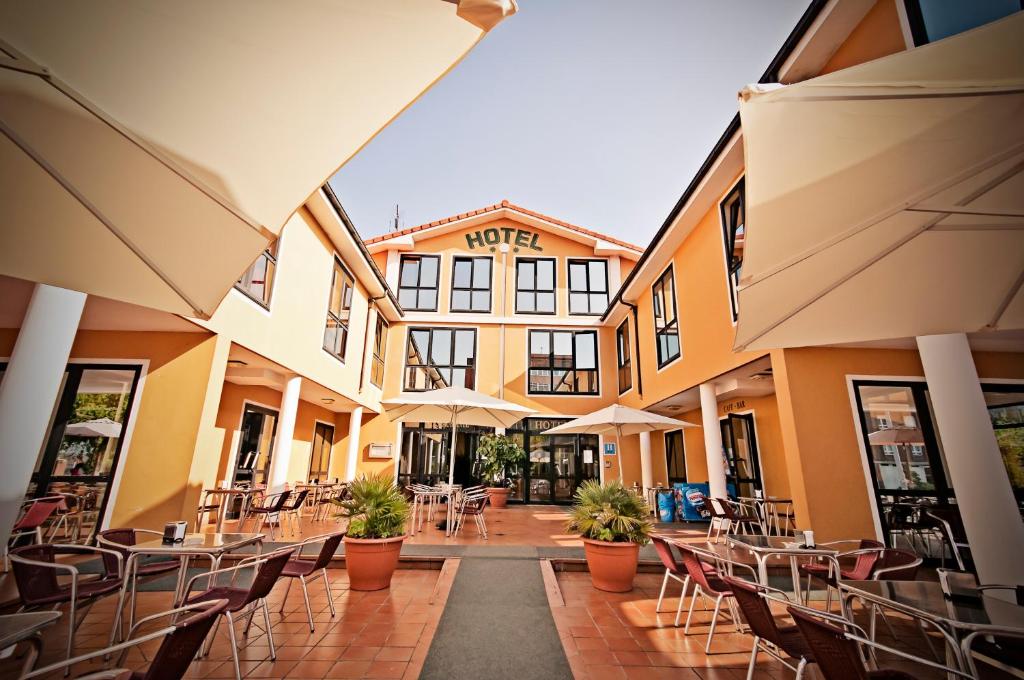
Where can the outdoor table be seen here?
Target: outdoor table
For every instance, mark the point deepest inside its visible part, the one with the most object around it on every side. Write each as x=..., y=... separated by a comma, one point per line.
x=318, y=489
x=925, y=601
x=763, y=547
x=15, y=628
x=245, y=492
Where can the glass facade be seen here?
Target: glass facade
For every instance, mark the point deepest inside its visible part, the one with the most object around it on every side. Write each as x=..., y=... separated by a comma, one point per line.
x=588, y=286
x=563, y=362
x=338, y=311
x=418, y=281
x=666, y=324
x=440, y=357
x=535, y=286
x=556, y=464
x=471, y=284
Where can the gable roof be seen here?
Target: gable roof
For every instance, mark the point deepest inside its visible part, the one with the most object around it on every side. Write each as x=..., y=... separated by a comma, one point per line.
x=506, y=205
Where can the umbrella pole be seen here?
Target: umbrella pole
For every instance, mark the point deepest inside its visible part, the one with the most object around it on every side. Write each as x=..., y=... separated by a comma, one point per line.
x=618, y=451
x=451, y=475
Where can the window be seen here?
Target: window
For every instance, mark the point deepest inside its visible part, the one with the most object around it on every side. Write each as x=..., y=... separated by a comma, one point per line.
x=563, y=362
x=733, y=219
x=675, y=457
x=471, y=284
x=535, y=286
x=338, y=310
x=932, y=20
x=588, y=286
x=258, y=279
x=380, y=343
x=666, y=325
x=417, y=282
x=440, y=357
x=320, y=452
x=622, y=357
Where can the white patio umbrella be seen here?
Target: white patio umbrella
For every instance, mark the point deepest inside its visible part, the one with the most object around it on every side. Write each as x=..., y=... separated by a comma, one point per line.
x=100, y=427
x=151, y=150
x=621, y=420
x=896, y=435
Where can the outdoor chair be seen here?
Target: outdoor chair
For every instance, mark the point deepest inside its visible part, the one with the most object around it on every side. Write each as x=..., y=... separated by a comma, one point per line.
x=837, y=648
x=205, y=510
x=675, y=570
x=293, y=509
x=706, y=584
x=35, y=514
x=323, y=505
x=266, y=511
x=769, y=636
x=35, y=573
x=896, y=565
x=866, y=557
x=715, y=515
x=474, y=506
x=309, y=570
x=118, y=540
x=949, y=527
x=997, y=647
x=739, y=515
x=179, y=643
x=241, y=601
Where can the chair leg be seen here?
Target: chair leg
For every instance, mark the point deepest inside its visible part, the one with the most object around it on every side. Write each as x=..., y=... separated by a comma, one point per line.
x=714, y=620
x=661, y=596
x=330, y=595
x=682, y=597
x=800, y=668
x=305, y=597
x=689, y=613
x=234, y=645
x=287, y=589
x=270, y=633
x=71, y=634
x=753, y=658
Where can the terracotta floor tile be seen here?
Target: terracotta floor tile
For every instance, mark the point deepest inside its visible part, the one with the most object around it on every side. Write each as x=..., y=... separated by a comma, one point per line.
x=310, y=669
x=386, y=669
x=349, y=669
x=394, y=654
x=360, y=653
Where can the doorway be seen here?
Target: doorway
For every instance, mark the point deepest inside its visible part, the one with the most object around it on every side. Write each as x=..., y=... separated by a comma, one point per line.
x=255, y=445
x=426, y=449
x=320, y=452
x=740, y=443
x=675, y=457
x=556, y=464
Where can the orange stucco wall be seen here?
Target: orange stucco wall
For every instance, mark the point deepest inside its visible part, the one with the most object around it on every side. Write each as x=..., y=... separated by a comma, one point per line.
x=878, y=35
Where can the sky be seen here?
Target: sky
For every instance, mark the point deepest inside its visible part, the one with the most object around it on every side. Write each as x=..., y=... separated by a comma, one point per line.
x=596, y=112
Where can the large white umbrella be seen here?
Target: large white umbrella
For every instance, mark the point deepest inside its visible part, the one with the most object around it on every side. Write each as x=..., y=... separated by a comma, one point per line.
x=887, y=199
x=100, y=427
x=621, y=420
x=151, y=150
x=896, y=435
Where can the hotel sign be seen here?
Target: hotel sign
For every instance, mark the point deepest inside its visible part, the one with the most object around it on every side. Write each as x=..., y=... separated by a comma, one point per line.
x=518, y=238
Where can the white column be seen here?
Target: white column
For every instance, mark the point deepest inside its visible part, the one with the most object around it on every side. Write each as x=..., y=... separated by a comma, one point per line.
x=30, y=388
x=281, y=458
x=712, y=440
x=355, y=420
x=646, y=467
x=977, y=474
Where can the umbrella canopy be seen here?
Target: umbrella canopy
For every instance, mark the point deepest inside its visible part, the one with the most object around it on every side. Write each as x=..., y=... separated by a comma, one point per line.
x=896, y=435
x=457, y=405
x=887, y=199
x=621, y=420
x=152, y=150
x=100, y=427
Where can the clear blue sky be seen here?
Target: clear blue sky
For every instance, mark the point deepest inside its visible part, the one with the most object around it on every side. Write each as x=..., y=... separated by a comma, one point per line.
x=597, y=112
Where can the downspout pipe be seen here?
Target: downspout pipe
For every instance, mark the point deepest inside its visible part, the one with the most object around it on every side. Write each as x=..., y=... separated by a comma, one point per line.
x=371, y=304
x=636, y=344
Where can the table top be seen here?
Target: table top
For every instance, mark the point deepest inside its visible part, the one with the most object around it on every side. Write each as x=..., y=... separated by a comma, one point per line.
x=925, y=599
x=17, y=627
x=197, y=543
x=233, y=490
x=315, y=484
x=776, y=544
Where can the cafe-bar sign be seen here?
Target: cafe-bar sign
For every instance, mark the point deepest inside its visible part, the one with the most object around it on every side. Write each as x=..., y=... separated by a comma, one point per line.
x=519, y=238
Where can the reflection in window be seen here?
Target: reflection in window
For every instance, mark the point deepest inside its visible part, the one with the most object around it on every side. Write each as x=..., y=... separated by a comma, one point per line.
x=666, y=325
x=675, y=458
x=440, y=357
x=899, y=455
x=932, y=20
x=380, y=344
x=622, y=357
x=535, y=286
x=417, y=282
x=563, y=362
x=733, y=226
x=338, y=310
x=258, y=279
x=320, y=453
x=471, y=284
x=1006, y=409
x=588, y=286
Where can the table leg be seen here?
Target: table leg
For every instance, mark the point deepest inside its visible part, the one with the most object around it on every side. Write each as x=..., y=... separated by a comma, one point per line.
x=796, y=578
x=762, y=567
x=32, y=655
x=222, y=511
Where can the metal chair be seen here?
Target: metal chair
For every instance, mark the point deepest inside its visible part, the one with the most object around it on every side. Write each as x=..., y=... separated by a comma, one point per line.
x=675, y=570
x=1000, y=648
x=293, y=509
x=118, y=541
x=739, y=515
x=769, y=636
x=866, y=557
x=706, y=584
x=35, y=513
x=267, y=511
x=715, y=515
x=949, y=526
x=204, y=509
x=180, y=641
x=473, y=504
x=307, y=570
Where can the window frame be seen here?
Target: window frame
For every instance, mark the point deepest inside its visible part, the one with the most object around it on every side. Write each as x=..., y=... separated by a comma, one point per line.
x=622, y=340
x=470, y=368
x=536, y=291
x=573, y=332
x=406, y=257
x=312, y=450
x=670, y=272
x=737, y=190
x=270, y=253
x=472, y=272
x=919, y=27
x=589, y=291
x=670, y=480
x=339, y=265
x=380, y=349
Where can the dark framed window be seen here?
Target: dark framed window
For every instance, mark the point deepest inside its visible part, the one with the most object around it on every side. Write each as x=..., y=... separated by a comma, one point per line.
x=440, y=357
x=733, y=220
x=417, y=282
x=320, y=452
x=932, y=20
x=338, y=311
x=563, y=362
x=1005, y=404
x=588, y=286
x=258, y=280
x=666, y=322
x=675, y=456
x=535, y=286
x=471, y=284
x=622, y=357
x=380, y=344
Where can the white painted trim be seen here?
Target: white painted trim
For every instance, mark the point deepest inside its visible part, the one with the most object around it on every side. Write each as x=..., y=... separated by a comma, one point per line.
x=757, y=443
x=725, y=255
x=391, y=270
x=546, y=395
x=255, y=305
x=876, y=517
x=654, y=320
x=908, y=36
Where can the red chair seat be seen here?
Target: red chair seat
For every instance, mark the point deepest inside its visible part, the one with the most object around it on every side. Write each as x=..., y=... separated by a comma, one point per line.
x=160, y=567
x=86, y=589
x=236, y=597
x=295, y=568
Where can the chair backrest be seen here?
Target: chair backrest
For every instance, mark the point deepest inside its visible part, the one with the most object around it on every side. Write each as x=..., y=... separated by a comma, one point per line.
x=949, y=522
x=696, y=570
x=179, y=647
x=330, y=546
x=665, y=554
x=35, y=582
x=274, y=502
x=298, y=500
x=39, y=512
x=724, y=508
x=866, y=561
x=755, y=609
x=836, y=655
x=114, y=539
x=896, y=565
x=267, y=574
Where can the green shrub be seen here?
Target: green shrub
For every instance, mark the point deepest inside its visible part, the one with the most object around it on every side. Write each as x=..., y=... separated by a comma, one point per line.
x=611, y=513
x=500, y=457
x=376, y=508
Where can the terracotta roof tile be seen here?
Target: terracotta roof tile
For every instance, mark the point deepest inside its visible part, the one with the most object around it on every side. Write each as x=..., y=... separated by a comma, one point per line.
x=498, y=206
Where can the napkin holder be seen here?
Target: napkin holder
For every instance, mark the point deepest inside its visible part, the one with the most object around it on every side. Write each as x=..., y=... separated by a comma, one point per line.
x=174, y=532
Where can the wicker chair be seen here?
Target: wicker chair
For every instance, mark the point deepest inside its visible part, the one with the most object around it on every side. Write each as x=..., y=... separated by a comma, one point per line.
x=769, y=636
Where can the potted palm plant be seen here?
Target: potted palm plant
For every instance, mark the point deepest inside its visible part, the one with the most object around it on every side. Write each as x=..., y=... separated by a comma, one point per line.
x=613, y=522
x=377, y=512
x=499, y=456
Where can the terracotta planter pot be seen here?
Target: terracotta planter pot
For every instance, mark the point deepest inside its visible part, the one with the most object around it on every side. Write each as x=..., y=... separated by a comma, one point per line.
x=370, y=562
x=612, y=565
x=498, y=496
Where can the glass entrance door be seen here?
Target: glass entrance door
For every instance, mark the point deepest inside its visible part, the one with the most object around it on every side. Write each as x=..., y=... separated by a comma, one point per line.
x=426, y=449
x=252, y=464
x=741, y=453
x=320, y=452
x=556, y=464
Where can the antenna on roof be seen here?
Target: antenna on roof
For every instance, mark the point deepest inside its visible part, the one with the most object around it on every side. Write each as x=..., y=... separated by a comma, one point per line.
x=395, y=225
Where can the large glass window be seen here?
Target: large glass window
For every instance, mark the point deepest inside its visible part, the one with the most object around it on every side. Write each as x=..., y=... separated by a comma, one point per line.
x=588, y=286
x=338, y=311
x=932, y=20
x=471, y=284
x=440, y=357
x=320, y=453
x=675, y=457
x=258, y=279
x=563, y=362
x=556, y=464
x=380, y=344
x=1006, y=408
x=417, y=282
x=666, y=325
x=535, y=286
x=733, y=220
x=622, y=357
